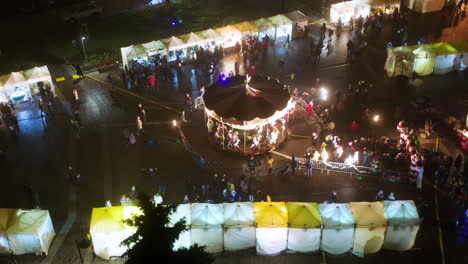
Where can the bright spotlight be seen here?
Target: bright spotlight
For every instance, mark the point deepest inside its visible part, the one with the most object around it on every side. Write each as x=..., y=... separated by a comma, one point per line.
x=323, y=94
x=174, y=123
x=376, y=118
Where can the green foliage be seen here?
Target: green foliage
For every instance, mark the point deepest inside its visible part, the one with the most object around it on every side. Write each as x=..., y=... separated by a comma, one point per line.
x=154, y=239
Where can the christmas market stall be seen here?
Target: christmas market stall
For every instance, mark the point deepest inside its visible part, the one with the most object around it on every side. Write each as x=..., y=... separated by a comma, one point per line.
x=6, y=215
x=176, y=48
x=232, y=39
x=192, y=41
x=338, y=228
x=271, y=220
x=134, y=52
x=239, y=230
x=247, y=114
x=300, y=21
x=347, y=10
x=247, y=29
x=305, y=224
x=265, y=28
x=400, y=61
x=370, y=226
x=386, y=6
x=403, y=225
x=425, y=6
x=283, y=27
x=461, y=62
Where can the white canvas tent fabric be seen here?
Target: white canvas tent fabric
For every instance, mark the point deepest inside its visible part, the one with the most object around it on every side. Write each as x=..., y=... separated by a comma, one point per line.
x=265, y=27
x=271, y=240
x=31, y=231
x=182, y=211
x=132, y=52
x=283, y=27
x=205, y=215
x=348, y=9
x=304, y=224
x=425, y=6
x=192, y=39
x=239, y=220
x=14, y=79
x=211, y=238
x=210, y=35
x=338, y=228
x=424, y=61
x=174, y=43
x=231, y=35
x=154, y=47
x=38, y=74
x=403, y=221
x=370, y=226
x=297, y=17
x=6, y=215
x=304, y=240
x=400, y=61
x=446, y=58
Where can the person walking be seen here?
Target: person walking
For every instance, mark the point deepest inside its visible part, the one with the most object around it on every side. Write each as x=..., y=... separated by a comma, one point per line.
x=139, y=126
x=333, y=198
x=288, y=41
x=41, y=107
x=76, y=98
x=380, y=196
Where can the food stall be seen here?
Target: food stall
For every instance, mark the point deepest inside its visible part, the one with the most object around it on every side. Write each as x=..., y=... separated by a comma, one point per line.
x=461, y=62
x=175, y=47
x=300, y=21
x=192, y=40
x=283, y=27
x=403, y=225
x=348, y=10
x=370, y=226
x=400, y=61
x=271, y=221
x=265, y=28
x=247, y=114
x=247, y=29
x=232, y=36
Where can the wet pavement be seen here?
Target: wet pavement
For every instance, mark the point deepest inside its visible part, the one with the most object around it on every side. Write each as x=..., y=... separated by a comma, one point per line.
x=108, y=168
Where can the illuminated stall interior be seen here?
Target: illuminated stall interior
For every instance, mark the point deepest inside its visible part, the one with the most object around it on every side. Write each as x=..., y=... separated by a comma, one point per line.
x=346, y=10
x=387, y=6
x=247, y=114
x=283, y=27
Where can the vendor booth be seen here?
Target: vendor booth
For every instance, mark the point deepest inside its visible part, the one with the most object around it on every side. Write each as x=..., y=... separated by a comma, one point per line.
x=298, y=18
x=446, y=58
x=154, y=47
x=30, y=231
x=425, y=6
x=370, y=226
x=183, y=211
x=424, y=60
x=247, y=114
x=6, y=215
x=403, y=225
x=212, y=38
x=133, y=52
x=108, y=230
x=462, y=54
x=348, y=10
x=386, y=6
x=207, y=226
x=304, y=227
x=175, y=47
x=192, y=40
x=283, y=27
x=271, y=220
x=239, y=230
x=338, y=228
x=247, y=29
x=400, y=61
x=231, y=35
x=265, y=28
x=23, y=86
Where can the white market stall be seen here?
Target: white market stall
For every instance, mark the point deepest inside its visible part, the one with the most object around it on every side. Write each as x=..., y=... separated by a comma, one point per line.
x=183, y=211
x=175, y=47
x=271, y=221
x=239, y=230
x=155, y=47
x=298, y=18
x=210, y=35
x=387, y=6
x=133, y=52
x=348, y=10
x=425, y=6
x=192, y=40
x=30, y=231
x=424, y=60
x=247, y=29
x=304, y=227
x=370, y=226
x=283, y=27
x=265, y=27
x=403, y=225
x=207, y=226
x=400, y=61
x=338, y=228
x=108, y=230
x=446, y=58
x=230, y=34
x=6, y=215
x=462, y=56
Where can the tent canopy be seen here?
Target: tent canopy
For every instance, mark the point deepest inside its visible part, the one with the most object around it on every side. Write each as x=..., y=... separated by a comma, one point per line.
x=210, y=35
x=174, y=43
x=424, y=51
x=401, y=212
x=27, y=222
x=154, y=46
x=304, y=215
x=460, y=46
x=297, y=16
x=368, y=214
x=233, y=98
x=336, y=215
x=280, y=20
x=378, y=3
x=271, y=214
x=228, y=31
x=443, y=48
x=136, y=51
x=192, y=39
x=263, y=24
x=107, y=219
x=239, y=215
x=246, y=28
x=6, y=215
x=205, y=215
x=37, y=73
x=14, y=79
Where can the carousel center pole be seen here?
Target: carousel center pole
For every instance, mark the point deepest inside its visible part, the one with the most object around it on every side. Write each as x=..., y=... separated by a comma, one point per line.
x=244, y=136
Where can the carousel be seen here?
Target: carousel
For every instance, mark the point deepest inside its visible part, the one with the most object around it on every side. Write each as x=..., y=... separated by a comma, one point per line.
x=247, y=114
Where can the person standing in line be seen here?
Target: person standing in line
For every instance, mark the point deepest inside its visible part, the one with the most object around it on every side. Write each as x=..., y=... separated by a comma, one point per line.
x=309, y=167
x=157, y=199
x=124, y=201
x=380, y=196
x=139, y=126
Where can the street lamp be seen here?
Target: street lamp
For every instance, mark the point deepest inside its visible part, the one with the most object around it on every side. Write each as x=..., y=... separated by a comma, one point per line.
x=84, y=50
x=376, y=118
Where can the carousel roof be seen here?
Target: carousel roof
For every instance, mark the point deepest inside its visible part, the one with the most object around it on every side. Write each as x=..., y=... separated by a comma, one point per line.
x=246, y=97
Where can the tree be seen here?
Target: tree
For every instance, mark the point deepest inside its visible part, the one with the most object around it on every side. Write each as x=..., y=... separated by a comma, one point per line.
x=153, y=240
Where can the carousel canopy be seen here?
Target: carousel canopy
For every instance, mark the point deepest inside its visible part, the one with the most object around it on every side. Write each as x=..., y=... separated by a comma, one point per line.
x=246, y=97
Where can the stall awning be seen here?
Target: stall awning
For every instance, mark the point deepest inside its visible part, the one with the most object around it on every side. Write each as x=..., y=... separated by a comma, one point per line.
x=280, y=20
x=368, y=214
x=401, y=212
x=192, y=39
x=210, y=35
x=15, y=79
x=37, y=74
x=460, y=46
x=174, y=43
x=136, y=51
x=336, y=215
x=246, y=28
x=304, y=215
x=154, y=47
x=297, y=16
x=271, y=214
x=239, y=215
x=228, y=31
x=263, y=24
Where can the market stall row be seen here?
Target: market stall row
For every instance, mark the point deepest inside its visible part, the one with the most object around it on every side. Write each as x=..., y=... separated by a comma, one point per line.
x=25, y=231
x=276, y=27
x=437, y=58
x=24, y=85
x=274, y=227
x=344, y=11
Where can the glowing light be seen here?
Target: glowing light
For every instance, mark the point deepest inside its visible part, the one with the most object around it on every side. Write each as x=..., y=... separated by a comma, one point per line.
x=324, y=155
x=316, y=156
x=174, y=123
x=349, y=160
x=323, y=94
x=376, y=118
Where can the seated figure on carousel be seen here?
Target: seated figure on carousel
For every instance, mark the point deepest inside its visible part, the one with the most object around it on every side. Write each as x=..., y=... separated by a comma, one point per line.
x=256, y=142
x=235, y=140
x=274, y=136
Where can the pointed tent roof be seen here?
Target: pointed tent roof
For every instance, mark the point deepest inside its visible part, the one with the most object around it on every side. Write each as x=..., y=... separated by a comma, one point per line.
x=297, y=16
x=154, y=46
x=205, y=215
x=15, y=79
x=401, y=212
x=27, y=222
x=136, y=51
x=228, y=31
x=174, y=43
x=192, y=39
x=280, y=20
x=246, y=28
x=460, y=46
x=37, y=74
x=210, y=35
x=239, y=214
x=443, y=48
x=304, y=215
x=368, y=214
x=424, y=51
x=6, y=215
x=263, y=24
x=336, y=215
x=271, y=214
x=107, y=219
